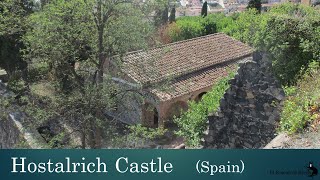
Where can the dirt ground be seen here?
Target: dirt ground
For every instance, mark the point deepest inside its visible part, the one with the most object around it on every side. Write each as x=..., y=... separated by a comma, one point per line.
x=309, y=139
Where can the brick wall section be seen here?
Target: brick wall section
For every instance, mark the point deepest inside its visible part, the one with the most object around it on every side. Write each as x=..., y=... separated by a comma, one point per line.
x=250, y=109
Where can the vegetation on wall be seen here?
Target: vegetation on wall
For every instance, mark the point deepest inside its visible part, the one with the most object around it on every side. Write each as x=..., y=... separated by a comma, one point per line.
x=138, y=136
x=193, y=122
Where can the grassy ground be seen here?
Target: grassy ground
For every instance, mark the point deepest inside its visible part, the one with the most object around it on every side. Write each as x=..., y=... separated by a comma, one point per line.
x=43, y=89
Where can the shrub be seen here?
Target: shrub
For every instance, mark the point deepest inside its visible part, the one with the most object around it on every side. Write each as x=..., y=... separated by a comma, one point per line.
x=191, y=27
x=139, y=136
x=170, y=33
x=293, y=117
x=192, y=123
x=290, y=33
x=299, y=107
x=288, y=40
x=38, y=71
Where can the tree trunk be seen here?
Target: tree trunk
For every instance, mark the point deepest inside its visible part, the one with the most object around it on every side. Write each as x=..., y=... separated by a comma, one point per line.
x=91, y=134
x=83, y=140
x=98, y=138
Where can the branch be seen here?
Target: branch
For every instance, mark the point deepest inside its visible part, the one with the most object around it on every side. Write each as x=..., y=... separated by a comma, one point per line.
x=93, y=14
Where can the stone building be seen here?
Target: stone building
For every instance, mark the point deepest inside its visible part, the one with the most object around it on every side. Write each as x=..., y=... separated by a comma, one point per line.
x=159, y=82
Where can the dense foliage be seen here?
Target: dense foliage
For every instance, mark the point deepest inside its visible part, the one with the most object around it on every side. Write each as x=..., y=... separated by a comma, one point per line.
x=66, y=45
x=190, y=27
x=192, y=123
x=302, y=105
x=13, y=14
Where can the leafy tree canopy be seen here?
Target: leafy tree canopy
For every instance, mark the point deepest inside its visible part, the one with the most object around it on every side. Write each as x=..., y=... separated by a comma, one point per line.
x=13, y=14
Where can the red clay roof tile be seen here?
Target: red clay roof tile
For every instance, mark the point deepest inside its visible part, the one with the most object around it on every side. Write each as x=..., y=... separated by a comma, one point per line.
x=183, y=57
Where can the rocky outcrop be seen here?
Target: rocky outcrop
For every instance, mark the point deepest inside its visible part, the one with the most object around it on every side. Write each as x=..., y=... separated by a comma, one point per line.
x=250, y=109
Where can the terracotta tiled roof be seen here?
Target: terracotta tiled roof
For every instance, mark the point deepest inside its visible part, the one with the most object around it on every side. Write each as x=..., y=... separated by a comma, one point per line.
x=183, y=57
x=195, y=81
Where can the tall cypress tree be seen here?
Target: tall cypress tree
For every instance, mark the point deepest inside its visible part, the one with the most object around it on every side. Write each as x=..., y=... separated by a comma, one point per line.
x=204, y=10
x=161, y=16
x=172, y=17
x=256, y=4
x=165, y=15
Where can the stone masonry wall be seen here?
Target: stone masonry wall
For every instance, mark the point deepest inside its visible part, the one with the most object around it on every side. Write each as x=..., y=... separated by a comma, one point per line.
x=9, y=134
x=13, y=134
x=250, y=109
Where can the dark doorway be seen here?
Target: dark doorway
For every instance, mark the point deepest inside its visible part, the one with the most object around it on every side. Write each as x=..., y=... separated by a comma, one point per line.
x=199, y=97
x=151, y=115
x=155, y=118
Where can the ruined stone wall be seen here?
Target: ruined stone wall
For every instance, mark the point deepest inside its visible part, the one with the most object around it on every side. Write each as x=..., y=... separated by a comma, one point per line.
x=13, y=133
x=10, y=136
x=250, y=109
x=9, y=133
x=129, y=108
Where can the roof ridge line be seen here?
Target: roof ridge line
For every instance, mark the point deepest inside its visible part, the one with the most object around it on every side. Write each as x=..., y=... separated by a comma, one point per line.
x=174, y=43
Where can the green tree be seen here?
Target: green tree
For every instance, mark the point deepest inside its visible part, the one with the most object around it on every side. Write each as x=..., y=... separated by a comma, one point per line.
x=204, y=10
x=88, y=33
x=13, y=14
x=255, y=4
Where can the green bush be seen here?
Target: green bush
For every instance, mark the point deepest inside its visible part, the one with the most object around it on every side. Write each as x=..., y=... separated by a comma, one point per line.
x=17, y=84
x=302, y=100
x=192, y=123
x=290, y=33
x=191, y=27
x=138, y=136
x=293, y=117
x=292, y=45
x=38, y=71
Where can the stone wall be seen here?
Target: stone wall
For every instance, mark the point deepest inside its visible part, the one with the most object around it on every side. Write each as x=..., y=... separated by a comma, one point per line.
x=10, y=136
x=13, y=132
x=250, y=109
